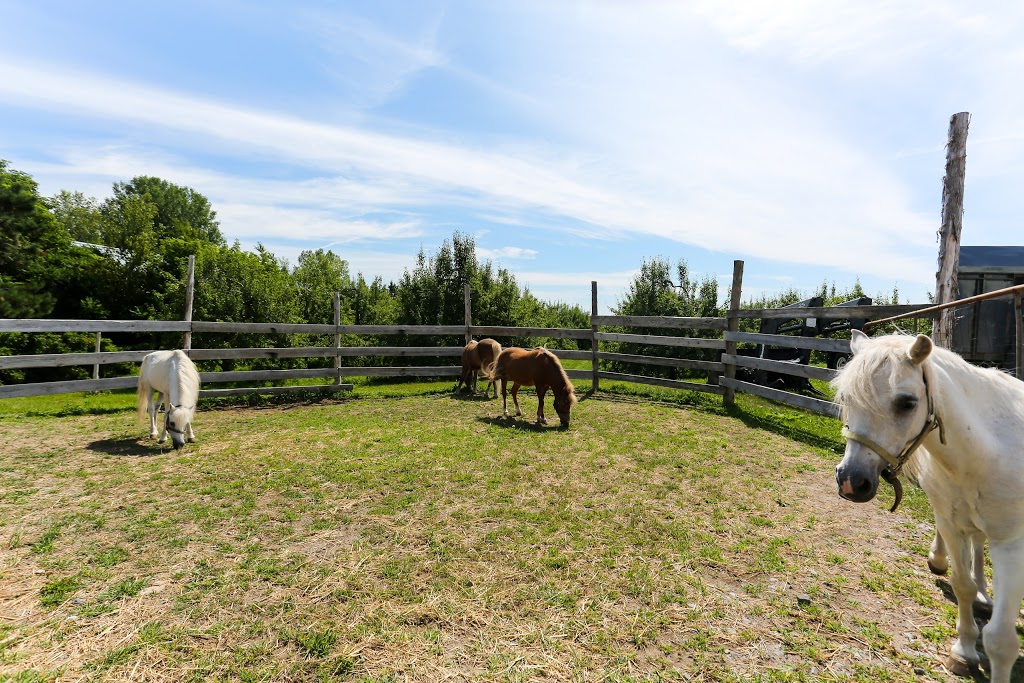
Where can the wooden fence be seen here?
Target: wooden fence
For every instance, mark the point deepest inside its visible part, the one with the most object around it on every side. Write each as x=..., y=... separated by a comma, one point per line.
x=674, y=333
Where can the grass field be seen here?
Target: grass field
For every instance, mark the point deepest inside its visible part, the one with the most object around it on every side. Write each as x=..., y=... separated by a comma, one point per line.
x=405, y=534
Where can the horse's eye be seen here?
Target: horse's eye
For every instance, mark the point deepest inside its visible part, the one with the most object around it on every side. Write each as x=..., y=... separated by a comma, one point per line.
x=905, y=404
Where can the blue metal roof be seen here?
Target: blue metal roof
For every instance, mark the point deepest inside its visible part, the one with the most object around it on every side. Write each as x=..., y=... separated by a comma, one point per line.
x=992, y=256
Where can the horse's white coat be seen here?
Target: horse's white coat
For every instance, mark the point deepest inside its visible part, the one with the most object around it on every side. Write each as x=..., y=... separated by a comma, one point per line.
x=172, y=377
x=975, y=481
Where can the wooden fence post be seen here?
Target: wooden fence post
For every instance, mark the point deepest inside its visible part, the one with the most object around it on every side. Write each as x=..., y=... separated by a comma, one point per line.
x=595, y=382
x=469, y=312
x=952, y=224
x=189, y=295
x=1019, y=323
x=96, y=368
x=733, y=325
x=337, y=338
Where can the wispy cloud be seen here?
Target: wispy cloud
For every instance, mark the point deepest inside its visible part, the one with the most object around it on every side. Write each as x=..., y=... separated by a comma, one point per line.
x=512, y=253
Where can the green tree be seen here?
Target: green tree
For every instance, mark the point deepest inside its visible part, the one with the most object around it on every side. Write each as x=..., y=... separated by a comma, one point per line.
x=181, y=212
x=31, y=247
x=317, y=277
x=79, y=215
x=660, y=290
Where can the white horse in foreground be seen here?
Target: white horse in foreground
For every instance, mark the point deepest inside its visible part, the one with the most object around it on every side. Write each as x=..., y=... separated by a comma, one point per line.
x=172, y=376
x=900, y=393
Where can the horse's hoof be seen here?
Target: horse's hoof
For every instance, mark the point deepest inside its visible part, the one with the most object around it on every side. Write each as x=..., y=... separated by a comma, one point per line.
x=960, y=667
x=937, y=570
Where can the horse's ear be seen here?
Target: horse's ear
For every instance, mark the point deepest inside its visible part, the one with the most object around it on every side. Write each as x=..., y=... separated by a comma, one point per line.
x=857, y=341
x=920, y=349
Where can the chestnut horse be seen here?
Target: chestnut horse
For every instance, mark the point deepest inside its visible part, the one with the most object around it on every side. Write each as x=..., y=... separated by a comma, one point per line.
x=475, y=357
x=536, y=368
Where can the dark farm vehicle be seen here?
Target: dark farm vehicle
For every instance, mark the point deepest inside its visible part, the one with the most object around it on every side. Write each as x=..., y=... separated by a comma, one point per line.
x=799, y=327
x=834, y=359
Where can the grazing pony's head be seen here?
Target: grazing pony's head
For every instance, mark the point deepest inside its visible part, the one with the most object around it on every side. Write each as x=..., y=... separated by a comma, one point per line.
x=565, y=393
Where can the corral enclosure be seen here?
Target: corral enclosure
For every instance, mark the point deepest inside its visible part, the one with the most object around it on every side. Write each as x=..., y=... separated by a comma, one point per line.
x=418, y=536
x=421, y=537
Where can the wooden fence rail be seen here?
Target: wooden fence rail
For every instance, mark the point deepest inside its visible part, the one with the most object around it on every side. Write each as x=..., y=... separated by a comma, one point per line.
x=719, y=341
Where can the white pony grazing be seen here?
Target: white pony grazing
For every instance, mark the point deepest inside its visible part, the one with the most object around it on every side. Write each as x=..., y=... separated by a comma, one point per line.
x=959, y=431
x=174, y=379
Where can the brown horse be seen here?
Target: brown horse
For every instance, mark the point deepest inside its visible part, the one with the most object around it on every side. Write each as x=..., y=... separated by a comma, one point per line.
x=475, y=357
x=540, y=368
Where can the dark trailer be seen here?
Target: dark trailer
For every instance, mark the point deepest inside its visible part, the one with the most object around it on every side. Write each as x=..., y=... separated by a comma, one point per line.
x=984, y=332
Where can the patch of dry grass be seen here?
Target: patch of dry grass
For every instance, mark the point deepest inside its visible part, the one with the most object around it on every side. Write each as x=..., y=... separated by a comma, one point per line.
x=423, y=538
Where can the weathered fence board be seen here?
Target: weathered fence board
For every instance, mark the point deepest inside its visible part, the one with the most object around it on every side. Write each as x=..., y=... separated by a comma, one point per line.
x=662, y=340
x=68, y=387
x=782, y=367
x=266, y=375
x=813, y=343
x=710, y=366
x=661, y=321
x=62, y=360
x=264, y=352
x=411, y=330
x=400, y=351
x=661, y=382
x=262, y=328
x=422, y=371
x=571, y=354
x=291, y=389
x=798, y=400
x=833, y=312
x=548, y=332
x=47, y=325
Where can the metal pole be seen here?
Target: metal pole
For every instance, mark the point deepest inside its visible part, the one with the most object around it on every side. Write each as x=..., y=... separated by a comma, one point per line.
x=1019, y=324
x=733, y=325
x=96, y=367
x=595, y=381
x=189, y=295
x=337, y=338
x=469, y=312
x=920, y=313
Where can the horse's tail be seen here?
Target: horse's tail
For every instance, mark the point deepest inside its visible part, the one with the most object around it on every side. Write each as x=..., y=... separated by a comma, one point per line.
x=490, y=371
x=142, y=396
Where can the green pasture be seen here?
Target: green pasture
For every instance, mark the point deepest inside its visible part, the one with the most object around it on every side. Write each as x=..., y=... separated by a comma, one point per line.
x=402, y=533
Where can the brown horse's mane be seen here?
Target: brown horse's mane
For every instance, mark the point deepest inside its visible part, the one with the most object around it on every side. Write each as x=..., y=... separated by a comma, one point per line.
x=565, y=378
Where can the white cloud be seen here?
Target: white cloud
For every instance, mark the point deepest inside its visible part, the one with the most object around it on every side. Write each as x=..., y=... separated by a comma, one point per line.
x=513, y=253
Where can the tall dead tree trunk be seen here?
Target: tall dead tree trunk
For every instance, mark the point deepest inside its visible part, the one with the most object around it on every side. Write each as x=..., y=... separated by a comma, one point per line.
x=952, y=225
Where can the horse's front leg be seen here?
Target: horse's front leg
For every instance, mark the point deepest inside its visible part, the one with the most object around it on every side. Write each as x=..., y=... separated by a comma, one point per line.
x=1000, y=634
x=541, y=390
x=504, y=397
x=982, y=603
x=964, y=658
x=189, y=434
x=938, y=563
x=154, y=399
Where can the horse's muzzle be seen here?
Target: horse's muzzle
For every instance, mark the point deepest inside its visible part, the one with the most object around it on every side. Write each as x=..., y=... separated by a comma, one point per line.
x=856, y=486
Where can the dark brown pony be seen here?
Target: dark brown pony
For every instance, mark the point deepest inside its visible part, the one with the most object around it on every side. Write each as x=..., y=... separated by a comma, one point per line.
x=475, y=357
x=535, y=368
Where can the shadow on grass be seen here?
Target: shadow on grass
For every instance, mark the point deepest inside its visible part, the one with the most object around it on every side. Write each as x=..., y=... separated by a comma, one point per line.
x=777, y=423
x=126, y=448
x=475, y=398
x=521, y=424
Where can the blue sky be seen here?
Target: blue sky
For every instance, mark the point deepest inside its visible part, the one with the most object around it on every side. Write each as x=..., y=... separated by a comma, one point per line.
x=571, y=139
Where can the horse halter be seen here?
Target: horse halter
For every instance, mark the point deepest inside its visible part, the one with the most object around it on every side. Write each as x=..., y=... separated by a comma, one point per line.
x=896, y=462
x=167, y=414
